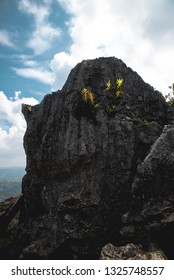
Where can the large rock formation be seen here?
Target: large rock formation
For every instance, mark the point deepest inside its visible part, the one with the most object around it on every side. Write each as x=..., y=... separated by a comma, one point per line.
x=82, y=159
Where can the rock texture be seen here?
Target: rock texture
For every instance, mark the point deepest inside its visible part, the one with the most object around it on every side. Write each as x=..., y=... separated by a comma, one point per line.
x=131, y=252
x=152, y=205
x=8, y=225
x=89, y=165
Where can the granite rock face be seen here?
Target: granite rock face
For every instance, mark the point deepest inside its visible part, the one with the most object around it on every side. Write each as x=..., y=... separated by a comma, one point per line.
x=82, y=162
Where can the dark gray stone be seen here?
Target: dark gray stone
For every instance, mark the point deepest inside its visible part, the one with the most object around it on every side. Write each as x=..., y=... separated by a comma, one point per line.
x=152, y=204
x=82, y=161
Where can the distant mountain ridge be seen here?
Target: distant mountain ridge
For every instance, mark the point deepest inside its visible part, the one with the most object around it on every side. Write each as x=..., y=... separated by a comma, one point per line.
x=10, y=181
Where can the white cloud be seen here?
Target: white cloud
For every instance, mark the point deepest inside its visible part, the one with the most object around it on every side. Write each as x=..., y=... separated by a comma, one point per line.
x=30, y=63
x=17, y=95
x=41, y=38
x=60, y=65
x=139, y=32
x=44, y=33
x=11, y=135
x=34, y=69
x=5, y=39
x=37, y=74
x=34, y=9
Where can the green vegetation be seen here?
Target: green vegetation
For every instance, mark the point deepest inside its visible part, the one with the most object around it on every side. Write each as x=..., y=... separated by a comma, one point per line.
x=108, y=85
x=91, y=98
x=88, y=96
x=97, y=105
x=111, y=108
x=170, y=96
x=119, y=92
x=146, y=122
x=29, y=108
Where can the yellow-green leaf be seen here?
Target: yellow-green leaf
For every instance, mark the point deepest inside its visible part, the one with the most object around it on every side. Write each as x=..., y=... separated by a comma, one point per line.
x=119, y=82
x=29, y=108
x=119, y=93
x=108, y=85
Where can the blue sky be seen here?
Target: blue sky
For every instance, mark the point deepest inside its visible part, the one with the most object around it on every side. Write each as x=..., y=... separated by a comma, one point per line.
x=40, y=41
x=28, y=42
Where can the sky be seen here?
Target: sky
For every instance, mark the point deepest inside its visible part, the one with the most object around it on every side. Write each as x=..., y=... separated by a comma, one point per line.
x=41, y=41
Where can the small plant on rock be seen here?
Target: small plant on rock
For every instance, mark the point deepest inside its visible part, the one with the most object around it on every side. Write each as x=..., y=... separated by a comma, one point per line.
x=88, y=96
x=119, y=91
x=108, y=85
x=91, y=98
x=29, y=108
x=170, y=96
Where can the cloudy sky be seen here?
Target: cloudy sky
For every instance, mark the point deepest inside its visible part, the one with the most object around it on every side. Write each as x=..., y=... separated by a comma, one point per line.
x=40, y=41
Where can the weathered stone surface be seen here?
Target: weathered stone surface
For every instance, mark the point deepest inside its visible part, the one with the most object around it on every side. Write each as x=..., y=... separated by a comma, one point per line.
x=7, y=216
x=131, y=252
x=82, y=160
x=8, y=228
x=152, y=205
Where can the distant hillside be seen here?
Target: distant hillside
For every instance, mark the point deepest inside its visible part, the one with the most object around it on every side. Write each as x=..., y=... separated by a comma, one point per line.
x=10, y=181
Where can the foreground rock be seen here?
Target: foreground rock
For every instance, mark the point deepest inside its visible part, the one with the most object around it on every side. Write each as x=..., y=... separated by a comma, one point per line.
x=151, y=215
x=83, y=146
x=9, y=209
x=131, y=252
x=9, y=218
